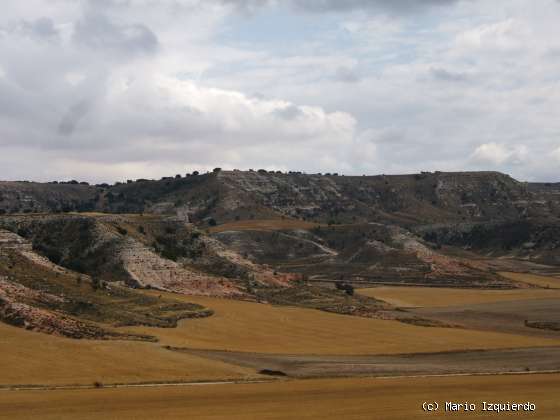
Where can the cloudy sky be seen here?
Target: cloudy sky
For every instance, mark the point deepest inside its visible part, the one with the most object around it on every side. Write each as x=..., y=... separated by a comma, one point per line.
x=104, y=90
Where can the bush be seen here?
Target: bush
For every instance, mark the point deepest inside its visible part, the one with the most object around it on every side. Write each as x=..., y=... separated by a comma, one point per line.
x=95, y=283
x=122, y=231
x=347, y=288
x=212, y=222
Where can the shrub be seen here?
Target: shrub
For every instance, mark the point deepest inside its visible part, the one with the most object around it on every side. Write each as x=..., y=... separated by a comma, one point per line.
x=95, y=283
x=347, y=288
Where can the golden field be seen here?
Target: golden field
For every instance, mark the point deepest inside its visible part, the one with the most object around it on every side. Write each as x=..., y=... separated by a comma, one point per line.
x=266, y=225
x=35, y=358
x=387, y=399
x=41, y=359
x=253, y=327
x=432, y=297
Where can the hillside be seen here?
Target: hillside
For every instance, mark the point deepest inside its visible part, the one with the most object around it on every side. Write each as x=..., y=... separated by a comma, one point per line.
x=231, y=195
x=283, y=238
x=38, y=295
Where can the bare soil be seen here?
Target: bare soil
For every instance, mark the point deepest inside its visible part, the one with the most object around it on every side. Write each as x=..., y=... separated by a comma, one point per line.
x=538, y=359
x=512, y=317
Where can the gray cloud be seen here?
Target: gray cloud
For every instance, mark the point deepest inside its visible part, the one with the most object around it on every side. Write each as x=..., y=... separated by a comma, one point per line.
x=72, y=117
x=448, y=76
x=399, y=6
x=43, y=29
x=347, y=75
x=99, y=32
x=291, y=112
x=390, y=5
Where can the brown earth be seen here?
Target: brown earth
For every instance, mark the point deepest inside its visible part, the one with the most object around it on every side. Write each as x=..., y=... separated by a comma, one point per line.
x=506, y=317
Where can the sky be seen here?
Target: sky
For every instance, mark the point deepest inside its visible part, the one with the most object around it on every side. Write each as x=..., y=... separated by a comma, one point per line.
x=108, y=90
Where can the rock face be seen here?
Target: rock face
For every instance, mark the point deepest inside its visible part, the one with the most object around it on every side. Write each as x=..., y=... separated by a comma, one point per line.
x=148, y=269
x=12, y=241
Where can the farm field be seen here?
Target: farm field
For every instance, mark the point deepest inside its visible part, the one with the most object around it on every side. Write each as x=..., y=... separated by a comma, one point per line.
x=388, y=399
x=30, y=358
x=534, y=359
x=266, y=225
x=236, y=326
x=408, y=297
x=260, y=328
x=504, y=316
x=533, y=279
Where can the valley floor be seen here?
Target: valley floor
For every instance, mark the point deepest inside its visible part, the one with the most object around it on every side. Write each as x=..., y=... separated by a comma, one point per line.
x=346, y=356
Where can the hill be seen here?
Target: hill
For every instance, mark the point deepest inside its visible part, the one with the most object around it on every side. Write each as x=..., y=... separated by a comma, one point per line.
x=231, y=195
x=284, y=238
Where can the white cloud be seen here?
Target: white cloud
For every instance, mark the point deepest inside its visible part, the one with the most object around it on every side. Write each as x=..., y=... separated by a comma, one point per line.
x=507, y=35
x=500, y=154
x=556, y=155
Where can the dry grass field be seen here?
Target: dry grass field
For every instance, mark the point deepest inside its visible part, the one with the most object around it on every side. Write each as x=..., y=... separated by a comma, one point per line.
x=266, y=225
x=533, y=279
x=408, y=297
x=387, y=399
x=35, y=358
x=261, y=328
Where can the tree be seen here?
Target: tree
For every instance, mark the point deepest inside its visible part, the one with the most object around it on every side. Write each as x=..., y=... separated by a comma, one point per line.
x=347, y=288
x=212, y=222
x=95, y=283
